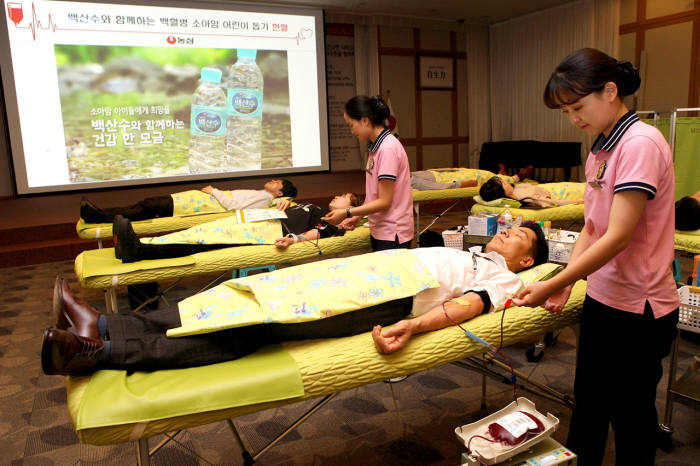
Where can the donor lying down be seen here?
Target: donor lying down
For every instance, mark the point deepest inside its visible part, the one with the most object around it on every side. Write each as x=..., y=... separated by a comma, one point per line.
x=324, y=299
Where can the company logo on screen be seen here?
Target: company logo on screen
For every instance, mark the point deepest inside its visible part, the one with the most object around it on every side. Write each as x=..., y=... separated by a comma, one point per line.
x=208, y=122
x=244, y=103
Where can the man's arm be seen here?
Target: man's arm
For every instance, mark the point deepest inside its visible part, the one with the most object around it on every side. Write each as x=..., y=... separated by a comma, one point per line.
x=286, y=241
x=397, y=336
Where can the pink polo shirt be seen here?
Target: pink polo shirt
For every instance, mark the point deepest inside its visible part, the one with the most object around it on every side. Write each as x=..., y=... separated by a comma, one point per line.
x=636, y=156
x=388, y=161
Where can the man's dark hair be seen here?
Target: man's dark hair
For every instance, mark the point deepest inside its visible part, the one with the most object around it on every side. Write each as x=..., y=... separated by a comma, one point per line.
x=687, y=214
x=288, y=189
x=492, y=189
x=539, y=249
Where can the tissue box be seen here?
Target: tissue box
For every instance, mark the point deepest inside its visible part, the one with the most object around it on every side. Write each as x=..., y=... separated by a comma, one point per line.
x=483, y=224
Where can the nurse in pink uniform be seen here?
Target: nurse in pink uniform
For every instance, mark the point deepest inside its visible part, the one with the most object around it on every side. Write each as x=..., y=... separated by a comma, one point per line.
x=624, y=251
x=388, y=199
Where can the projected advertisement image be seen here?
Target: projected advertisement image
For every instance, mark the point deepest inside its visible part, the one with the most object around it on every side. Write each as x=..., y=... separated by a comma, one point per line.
x=111, y=95
x=140, y=112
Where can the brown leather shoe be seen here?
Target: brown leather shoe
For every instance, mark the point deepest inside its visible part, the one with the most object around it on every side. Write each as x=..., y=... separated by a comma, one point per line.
x=72, y=312
x=64, y=353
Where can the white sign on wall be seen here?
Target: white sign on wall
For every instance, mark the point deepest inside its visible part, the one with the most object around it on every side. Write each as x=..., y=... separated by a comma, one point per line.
x=340, y=72
x=436, y=72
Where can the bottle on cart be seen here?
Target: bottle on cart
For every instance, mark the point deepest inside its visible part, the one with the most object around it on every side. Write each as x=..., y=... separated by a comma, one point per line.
x=208, y=124
x=508, y=217
x=244, y=113
x=505, y=220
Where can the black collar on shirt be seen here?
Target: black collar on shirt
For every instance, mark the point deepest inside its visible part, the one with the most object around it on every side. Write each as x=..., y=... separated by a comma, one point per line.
x=622, y=125
x=374, y=146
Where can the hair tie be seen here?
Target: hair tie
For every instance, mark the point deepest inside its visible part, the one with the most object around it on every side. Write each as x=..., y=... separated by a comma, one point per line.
x=625, y=68
x=378, y=102
x=629, y=78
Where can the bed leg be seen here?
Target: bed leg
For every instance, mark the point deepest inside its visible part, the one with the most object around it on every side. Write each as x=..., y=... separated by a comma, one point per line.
x=142, y=456
x=250, y=459
x=247, y=457
x=111, y=299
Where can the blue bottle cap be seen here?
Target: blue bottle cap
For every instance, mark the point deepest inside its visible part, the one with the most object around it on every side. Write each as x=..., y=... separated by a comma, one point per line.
x=211, y=75
x=247, y=53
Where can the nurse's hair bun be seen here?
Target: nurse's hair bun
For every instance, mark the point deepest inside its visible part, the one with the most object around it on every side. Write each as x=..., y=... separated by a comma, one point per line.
x=629, y=78
x=380, y=108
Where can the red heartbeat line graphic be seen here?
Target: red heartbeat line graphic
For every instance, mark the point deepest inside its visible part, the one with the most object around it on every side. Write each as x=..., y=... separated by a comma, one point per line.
x=16, y=14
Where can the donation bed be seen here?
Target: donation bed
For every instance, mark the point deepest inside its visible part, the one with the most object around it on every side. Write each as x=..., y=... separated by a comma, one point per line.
x=688, y=241
x=438, y=195
x=562, y=191
x=112, y=406
x=152, y=226
x=98, y=268
x=448, y=175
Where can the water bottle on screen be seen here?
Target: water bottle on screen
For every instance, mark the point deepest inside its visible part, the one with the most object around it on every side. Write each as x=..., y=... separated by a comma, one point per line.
x=208, y=125
x=244, y=113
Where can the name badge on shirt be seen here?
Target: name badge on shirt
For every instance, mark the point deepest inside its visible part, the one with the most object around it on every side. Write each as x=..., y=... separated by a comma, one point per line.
x=370, y=164
x=601, y=169
x=595, y=184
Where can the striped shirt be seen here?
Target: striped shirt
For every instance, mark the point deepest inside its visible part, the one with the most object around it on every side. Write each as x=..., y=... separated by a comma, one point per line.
x=635, y=156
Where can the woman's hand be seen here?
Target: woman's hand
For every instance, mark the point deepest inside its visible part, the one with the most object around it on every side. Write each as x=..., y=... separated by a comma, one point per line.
x=392, y=339
x=284, y=242
x=283, y=204
x=349, y=223
x=208, y=189
x=535, y=294
x=335, y=216
x=557, y=301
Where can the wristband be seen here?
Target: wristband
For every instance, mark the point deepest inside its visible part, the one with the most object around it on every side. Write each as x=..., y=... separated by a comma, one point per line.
x=347, y=212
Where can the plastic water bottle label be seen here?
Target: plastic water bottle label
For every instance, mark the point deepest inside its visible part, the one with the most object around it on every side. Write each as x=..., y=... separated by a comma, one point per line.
x=207, y=120
x=245, y=102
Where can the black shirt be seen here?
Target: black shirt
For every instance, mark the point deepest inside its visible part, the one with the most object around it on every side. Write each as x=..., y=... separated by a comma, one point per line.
x=304, y=217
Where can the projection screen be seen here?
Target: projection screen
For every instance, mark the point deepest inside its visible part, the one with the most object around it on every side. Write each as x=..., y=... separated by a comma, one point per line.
x=105, y=94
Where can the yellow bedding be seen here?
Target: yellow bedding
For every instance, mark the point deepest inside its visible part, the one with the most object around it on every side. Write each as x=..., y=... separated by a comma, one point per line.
x=449, y=175
x=687, y=241
x=148, y=227
x=555, y=214
x=113, y=272
x=306, y=292
x=564, y=191
x=327, y=366
x=437, y=194
x=181, y=220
